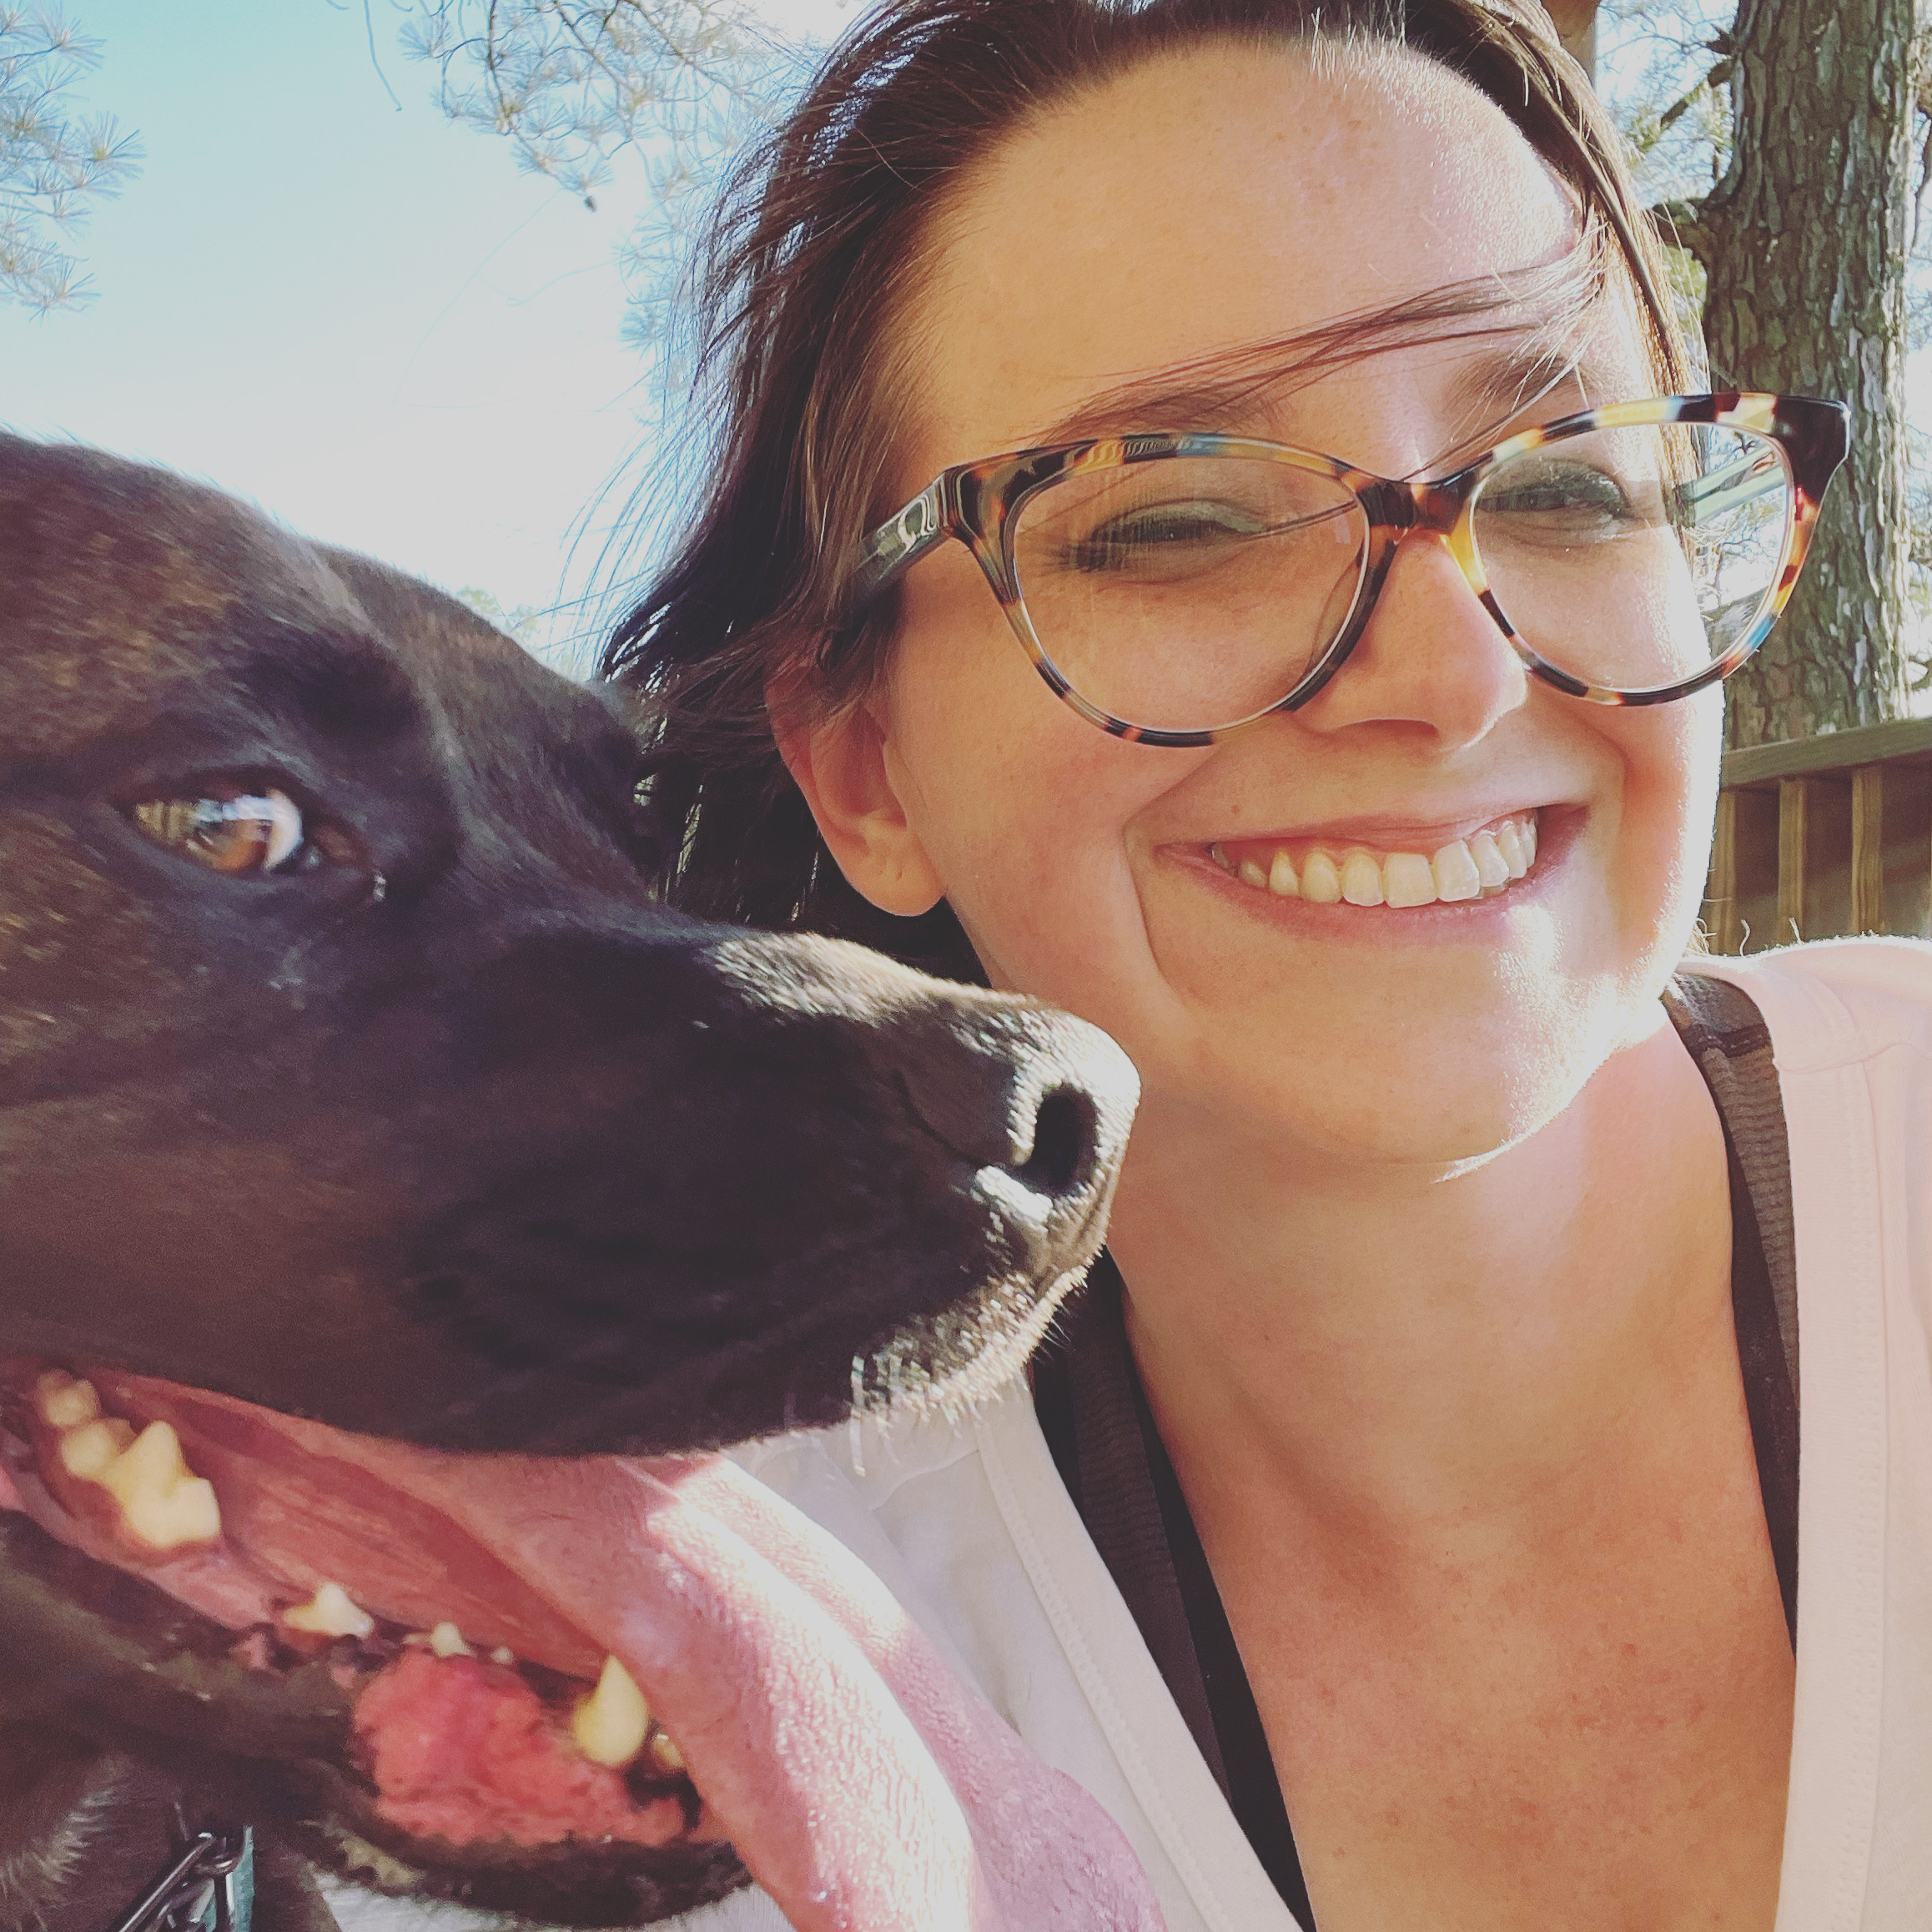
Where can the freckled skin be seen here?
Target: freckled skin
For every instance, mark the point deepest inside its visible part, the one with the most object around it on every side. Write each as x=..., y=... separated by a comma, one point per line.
x=1075, y=258
x=1424, y=1230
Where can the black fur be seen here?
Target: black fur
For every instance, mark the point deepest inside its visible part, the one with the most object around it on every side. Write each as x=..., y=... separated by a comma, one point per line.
x=449, y=1137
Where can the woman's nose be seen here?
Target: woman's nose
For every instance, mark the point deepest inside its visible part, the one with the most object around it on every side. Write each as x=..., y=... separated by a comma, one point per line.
x=1431, y=656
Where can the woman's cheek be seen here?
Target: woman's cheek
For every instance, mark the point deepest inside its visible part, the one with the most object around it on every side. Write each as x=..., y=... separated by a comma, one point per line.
x=1024, y=810
x=1672, y=755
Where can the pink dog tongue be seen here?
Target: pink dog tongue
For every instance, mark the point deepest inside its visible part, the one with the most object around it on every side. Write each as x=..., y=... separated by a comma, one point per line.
x=865, y=1786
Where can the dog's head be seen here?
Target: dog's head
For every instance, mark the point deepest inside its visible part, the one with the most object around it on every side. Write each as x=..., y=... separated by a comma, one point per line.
x=360, y=1125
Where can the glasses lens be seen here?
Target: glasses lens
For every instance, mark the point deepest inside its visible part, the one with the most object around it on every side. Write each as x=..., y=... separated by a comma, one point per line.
x=1190, y=592
x=1636, y=558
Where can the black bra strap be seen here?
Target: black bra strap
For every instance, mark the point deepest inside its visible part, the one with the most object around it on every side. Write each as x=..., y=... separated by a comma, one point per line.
x=1094, y=1415
x=1727, y=1037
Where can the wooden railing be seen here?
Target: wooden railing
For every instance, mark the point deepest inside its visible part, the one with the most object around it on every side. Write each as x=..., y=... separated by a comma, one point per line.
x=1824, y=835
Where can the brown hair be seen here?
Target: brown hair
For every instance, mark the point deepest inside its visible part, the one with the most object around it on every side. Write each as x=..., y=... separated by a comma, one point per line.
x=815, y=247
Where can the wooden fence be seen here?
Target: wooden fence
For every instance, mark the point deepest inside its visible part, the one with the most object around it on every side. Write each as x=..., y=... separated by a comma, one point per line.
x=1824, y=835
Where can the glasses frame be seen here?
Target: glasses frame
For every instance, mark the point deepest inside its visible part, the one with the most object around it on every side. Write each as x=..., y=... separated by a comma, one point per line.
x=978, y=505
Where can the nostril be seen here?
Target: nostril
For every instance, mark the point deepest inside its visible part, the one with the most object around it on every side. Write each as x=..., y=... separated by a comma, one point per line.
x=1064, y=1140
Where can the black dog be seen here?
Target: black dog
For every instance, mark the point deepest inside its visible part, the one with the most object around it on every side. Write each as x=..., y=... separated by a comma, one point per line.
x=344, y=1072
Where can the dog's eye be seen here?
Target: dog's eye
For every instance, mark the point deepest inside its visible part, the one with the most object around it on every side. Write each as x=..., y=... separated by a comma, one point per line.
x=236, y=829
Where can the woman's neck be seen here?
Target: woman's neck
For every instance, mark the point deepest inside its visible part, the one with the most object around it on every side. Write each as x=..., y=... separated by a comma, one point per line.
x=1404, y=1349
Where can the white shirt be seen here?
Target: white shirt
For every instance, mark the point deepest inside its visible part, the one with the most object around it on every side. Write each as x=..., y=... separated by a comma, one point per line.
x=967, y=1523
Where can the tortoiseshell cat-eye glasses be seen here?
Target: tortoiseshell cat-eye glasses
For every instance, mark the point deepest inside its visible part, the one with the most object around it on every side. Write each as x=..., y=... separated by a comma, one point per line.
x=1174, y=589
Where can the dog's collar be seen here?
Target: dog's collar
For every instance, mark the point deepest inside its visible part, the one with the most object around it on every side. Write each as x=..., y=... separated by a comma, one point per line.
x=210, y=1887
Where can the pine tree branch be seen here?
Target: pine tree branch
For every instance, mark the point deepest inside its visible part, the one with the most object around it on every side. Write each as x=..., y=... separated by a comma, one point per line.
x=1686, y=101
x=1924, y=183
x=1689, y=225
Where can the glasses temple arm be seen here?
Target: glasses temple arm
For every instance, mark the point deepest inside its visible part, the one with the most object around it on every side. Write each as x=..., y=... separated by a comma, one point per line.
x=900, y=542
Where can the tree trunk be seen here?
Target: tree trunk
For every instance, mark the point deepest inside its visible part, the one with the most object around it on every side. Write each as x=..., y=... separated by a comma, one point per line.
x=1808, y=237
x=1576, y=25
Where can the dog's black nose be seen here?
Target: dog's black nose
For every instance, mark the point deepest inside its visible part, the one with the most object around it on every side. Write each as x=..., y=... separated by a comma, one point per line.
x=1038, y=1098
x=737, y=1177
x=1027, y=1109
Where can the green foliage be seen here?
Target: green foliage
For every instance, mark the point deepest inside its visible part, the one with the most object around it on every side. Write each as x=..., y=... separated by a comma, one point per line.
x=54, y=160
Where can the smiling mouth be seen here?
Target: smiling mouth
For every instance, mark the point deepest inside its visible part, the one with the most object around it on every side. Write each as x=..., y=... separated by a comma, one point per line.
x=1322, y=872
x=493, y=1725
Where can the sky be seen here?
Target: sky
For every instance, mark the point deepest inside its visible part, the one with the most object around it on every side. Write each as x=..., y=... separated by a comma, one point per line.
x=366, y=320
x=360, y=316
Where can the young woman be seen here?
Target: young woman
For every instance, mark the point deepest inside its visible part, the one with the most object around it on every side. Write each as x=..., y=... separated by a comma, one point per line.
x=1407, y=1531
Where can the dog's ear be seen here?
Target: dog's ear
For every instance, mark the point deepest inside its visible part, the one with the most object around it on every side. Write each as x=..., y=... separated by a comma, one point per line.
x=287, y=1897
x=85, y=1830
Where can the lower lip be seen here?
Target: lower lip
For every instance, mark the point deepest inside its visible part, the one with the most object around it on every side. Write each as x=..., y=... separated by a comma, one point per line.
x=1477, y=921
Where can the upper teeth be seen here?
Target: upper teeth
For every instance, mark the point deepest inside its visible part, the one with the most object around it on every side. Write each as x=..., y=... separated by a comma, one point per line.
x=63, y=1402
x=163, y=1503
x=1465, y=868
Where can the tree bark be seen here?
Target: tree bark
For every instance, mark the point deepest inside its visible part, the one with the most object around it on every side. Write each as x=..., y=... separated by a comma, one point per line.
x=1576, y=26
x=1808, y=237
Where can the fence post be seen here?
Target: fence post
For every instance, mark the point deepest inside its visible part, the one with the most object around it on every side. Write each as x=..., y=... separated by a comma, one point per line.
x=1794, y=799
x=1868, y=852
x=1721, y=893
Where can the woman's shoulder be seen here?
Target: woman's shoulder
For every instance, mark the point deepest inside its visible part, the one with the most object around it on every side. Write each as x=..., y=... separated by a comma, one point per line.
x=1836, y=1000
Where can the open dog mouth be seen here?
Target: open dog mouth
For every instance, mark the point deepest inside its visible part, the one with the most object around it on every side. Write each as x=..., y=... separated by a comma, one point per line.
x=476, y=1712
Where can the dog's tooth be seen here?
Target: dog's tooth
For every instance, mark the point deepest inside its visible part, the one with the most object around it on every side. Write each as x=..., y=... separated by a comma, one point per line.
x=446, y=1640
x=189, y=1512
x=331, y=1612
x=63, y=1402
x=87, y=1451
x=664, y=1748
x=503, y=1654
x=1250, y=873
x=611, y=1723
x=163, y=1503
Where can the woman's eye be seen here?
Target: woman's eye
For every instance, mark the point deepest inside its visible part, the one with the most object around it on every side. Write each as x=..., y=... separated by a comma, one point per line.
x=1163, y=529
x=1568, y=493
x=243, y=832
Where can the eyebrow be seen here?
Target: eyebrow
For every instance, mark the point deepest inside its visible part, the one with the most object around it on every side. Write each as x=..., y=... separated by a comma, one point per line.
x=341, y=688
x=1492, y=390
x=1230, y=389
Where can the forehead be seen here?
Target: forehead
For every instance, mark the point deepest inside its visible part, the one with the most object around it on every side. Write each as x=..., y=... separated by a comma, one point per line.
x=1229, y=195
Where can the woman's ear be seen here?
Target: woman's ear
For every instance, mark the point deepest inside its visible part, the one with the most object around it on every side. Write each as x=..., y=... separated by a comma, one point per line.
x=841, y=766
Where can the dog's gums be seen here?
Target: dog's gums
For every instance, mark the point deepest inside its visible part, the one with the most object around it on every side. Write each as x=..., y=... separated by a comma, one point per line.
x=507, y=1748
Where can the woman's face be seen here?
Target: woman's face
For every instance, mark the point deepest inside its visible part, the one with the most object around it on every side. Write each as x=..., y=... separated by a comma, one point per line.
x=1193, y=206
